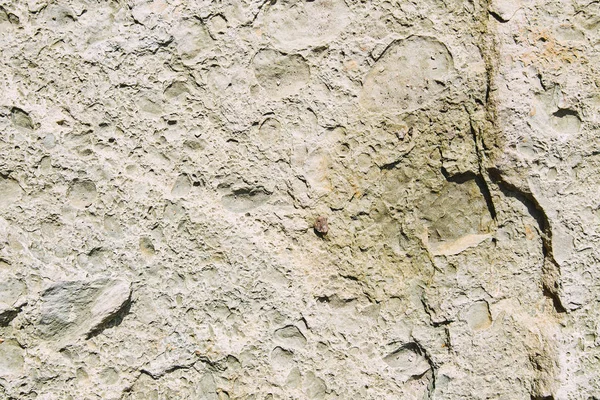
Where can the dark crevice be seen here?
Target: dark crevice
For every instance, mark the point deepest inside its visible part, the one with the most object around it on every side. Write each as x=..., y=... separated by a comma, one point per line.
x=419, y=349
x=488, y=92
x=442, y=323
x=251, y=191
x=217, y=366
x=113, y=320
x=428, y=311
x=564, y=112
x=485, y=191
x=552, y=295
x=458, y=178
x=172, y=368
x=479, y=181
x=551, y=269
x=334, y=300
x=321, y=235
x=488, y=139
x=8, y=315
x=264, y=4
x=497, y=17
x=480, y=178
x=390, y=166
x=527, y=199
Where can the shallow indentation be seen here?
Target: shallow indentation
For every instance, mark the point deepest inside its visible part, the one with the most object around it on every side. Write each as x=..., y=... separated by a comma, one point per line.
x=281, y=359
x=458, y=210
x=410, y=73
x=280, y=74
x=290, y=337
x=182, y=186
x=408, y=359
x=565, y=121
x=11, y=359
x=192, y=40
x=20, y=118
x=10, y=191
x=269, y=131
x=478, y=316
x=82, y=193
x=245, y=199
x=300, y=24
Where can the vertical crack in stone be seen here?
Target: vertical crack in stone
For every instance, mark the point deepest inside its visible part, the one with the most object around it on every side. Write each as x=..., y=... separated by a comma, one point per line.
x=488, y=141
x=481, y=183
x=489, y=144
x=550, y=269
x=432, y=370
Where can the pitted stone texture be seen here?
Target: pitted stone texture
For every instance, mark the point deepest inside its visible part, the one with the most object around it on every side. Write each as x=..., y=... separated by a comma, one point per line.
x=164, y=163
x=300, y=24
x=279, y=74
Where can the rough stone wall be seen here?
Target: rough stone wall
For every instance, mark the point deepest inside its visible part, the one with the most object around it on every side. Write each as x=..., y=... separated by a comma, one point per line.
x=299, y=199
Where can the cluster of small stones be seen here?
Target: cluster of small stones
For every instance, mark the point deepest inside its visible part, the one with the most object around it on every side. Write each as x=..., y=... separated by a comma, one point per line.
x=299, y=199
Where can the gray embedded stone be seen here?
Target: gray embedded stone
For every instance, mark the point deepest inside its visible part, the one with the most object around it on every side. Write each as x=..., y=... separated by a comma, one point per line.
x=73, y=309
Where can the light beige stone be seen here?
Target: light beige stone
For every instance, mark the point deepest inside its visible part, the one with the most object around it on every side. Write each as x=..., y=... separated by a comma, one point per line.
x=164, y=163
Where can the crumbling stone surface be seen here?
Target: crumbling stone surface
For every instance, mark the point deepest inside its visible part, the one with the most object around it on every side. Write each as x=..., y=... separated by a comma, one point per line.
x=305, y=199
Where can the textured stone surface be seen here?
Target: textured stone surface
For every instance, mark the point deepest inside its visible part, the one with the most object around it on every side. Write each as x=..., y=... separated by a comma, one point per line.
x=298, y=199
x=71, y=309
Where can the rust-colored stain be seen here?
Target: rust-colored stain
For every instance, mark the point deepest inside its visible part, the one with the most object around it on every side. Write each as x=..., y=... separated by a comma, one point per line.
x=548, y=51
x=529, y=232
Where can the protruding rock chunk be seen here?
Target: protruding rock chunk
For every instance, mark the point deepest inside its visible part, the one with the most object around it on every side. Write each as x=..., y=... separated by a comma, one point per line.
x=69, y=310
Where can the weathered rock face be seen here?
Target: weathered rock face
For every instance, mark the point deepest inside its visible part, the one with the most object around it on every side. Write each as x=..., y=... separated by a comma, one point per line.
x=70, y=309
x=282, y=199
